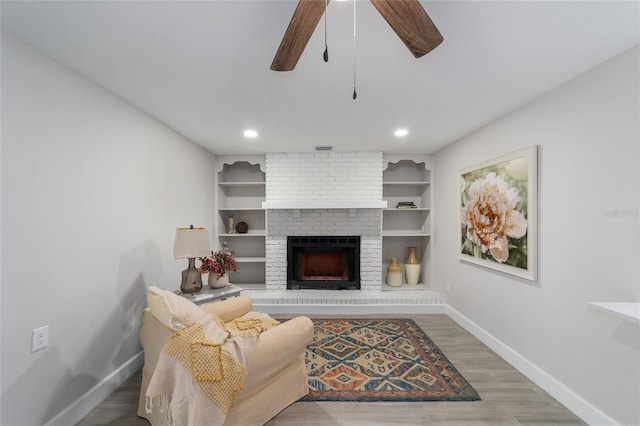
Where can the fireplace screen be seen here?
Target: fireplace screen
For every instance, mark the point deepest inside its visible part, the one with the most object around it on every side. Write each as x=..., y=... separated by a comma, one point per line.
x=323, y=263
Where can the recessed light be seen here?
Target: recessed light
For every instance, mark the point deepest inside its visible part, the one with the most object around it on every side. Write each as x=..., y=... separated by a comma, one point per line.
x=250, y=134
x=401, y=132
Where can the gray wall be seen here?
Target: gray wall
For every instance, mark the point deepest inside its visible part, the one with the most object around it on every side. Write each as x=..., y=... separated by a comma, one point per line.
x=589, y=136
x=92, y=191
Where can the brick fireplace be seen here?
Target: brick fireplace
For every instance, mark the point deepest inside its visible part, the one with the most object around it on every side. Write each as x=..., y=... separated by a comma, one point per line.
x=323, y=263
x=324, y=194
x=326, y=222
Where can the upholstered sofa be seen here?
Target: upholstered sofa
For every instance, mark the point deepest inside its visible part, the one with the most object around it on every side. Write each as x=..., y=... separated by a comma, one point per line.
x=276, y=371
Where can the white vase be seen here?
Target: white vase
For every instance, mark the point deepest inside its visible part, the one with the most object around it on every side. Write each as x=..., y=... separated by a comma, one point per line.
x=413, y=273
x=218, y=282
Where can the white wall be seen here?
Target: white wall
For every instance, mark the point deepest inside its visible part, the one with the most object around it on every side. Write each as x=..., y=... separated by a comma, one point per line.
x=589, y=165
x=92, y=191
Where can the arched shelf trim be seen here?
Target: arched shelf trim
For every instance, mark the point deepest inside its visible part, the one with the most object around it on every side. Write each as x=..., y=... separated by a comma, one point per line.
x=231, y=160
x=388, y=162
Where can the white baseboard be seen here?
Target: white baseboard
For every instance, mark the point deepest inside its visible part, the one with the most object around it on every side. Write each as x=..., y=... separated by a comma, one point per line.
x=579, y=406
x=94, y=396
x=348, y=309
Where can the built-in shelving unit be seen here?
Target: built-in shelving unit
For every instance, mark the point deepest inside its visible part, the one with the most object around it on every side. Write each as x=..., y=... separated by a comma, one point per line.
x=406, y=180
x=241, y=192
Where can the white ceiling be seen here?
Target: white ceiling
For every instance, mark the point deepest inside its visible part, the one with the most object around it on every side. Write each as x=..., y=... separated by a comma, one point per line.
x=203, y=67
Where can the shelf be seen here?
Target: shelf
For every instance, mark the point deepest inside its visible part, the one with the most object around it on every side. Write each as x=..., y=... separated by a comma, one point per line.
x=241, y=209
x=237, y=184
x=406, y=181
x=411, y=183
x=629, y=311
x=255, y=259
x=404, y=287
x=417, y=209
x=405, y=234
x=241, y=189
x=246, y=234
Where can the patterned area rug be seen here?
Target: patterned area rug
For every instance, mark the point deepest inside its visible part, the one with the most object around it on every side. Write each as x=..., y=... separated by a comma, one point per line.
x=380, y=360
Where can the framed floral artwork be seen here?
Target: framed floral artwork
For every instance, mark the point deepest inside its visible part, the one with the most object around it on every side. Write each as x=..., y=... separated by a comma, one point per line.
x=498, y=213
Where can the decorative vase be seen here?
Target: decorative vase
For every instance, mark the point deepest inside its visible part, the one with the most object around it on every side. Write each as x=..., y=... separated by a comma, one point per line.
x=231, y=227
x=412, y=267
x=191, y=278
x=394, y=273
x=216, y=281
x=242, y=227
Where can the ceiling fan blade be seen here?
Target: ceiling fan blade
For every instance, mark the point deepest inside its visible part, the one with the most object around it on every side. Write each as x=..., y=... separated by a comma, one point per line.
x=303, y=23
x=412, y=24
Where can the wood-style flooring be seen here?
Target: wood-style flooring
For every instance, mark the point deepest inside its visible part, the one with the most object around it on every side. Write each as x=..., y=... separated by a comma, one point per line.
x=508, y=397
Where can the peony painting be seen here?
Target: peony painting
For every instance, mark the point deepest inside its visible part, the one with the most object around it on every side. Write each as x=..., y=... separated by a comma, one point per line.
x=498, y=213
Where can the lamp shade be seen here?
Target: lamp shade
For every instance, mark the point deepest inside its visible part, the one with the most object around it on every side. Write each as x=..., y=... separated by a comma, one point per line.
x=191, y=242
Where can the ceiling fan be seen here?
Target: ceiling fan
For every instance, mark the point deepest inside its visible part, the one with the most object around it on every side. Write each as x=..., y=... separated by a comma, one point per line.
x=406, y=17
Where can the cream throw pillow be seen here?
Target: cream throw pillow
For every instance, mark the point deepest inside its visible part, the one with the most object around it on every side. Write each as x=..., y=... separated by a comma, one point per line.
x=173, y=311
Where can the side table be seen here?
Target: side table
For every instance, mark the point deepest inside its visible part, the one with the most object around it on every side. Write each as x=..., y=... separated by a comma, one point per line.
x=208, y=294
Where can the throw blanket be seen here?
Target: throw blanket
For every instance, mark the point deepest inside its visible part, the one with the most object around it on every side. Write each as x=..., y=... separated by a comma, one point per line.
x=203, y=367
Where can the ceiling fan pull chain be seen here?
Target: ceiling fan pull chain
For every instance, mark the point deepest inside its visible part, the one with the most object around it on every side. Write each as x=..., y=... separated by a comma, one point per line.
x=355, y=94
x=326, y=48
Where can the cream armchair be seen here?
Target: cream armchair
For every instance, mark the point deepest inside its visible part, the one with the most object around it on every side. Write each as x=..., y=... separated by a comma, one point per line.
x=276, y=372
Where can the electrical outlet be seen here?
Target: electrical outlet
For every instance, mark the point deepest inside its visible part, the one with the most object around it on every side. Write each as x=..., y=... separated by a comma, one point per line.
x=447, y=286
x=39, y=338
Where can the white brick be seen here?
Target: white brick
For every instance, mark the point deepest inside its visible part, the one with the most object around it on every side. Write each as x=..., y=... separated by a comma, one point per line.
x=329, y=176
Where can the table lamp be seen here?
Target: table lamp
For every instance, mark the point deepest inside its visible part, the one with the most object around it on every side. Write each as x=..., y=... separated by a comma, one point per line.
x=191, y=243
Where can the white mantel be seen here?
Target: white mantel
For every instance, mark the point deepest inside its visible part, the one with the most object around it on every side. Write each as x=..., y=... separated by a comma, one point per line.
x=324, y=204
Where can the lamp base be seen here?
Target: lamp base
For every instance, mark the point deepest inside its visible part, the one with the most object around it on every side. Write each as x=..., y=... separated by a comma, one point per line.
x=191, y=278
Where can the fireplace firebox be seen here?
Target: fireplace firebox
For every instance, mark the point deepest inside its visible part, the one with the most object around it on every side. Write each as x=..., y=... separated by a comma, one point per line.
x=323, y=263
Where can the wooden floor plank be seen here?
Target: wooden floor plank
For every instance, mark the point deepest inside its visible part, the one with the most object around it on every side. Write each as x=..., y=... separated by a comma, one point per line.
x=508, y=397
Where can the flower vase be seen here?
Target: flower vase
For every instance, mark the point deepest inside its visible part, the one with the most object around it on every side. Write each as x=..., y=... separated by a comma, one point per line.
x=394, y=273
x=216, y=281
x=412, y=267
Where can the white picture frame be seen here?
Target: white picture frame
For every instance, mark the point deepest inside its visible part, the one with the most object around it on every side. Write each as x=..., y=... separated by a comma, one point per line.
x=499, y=213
